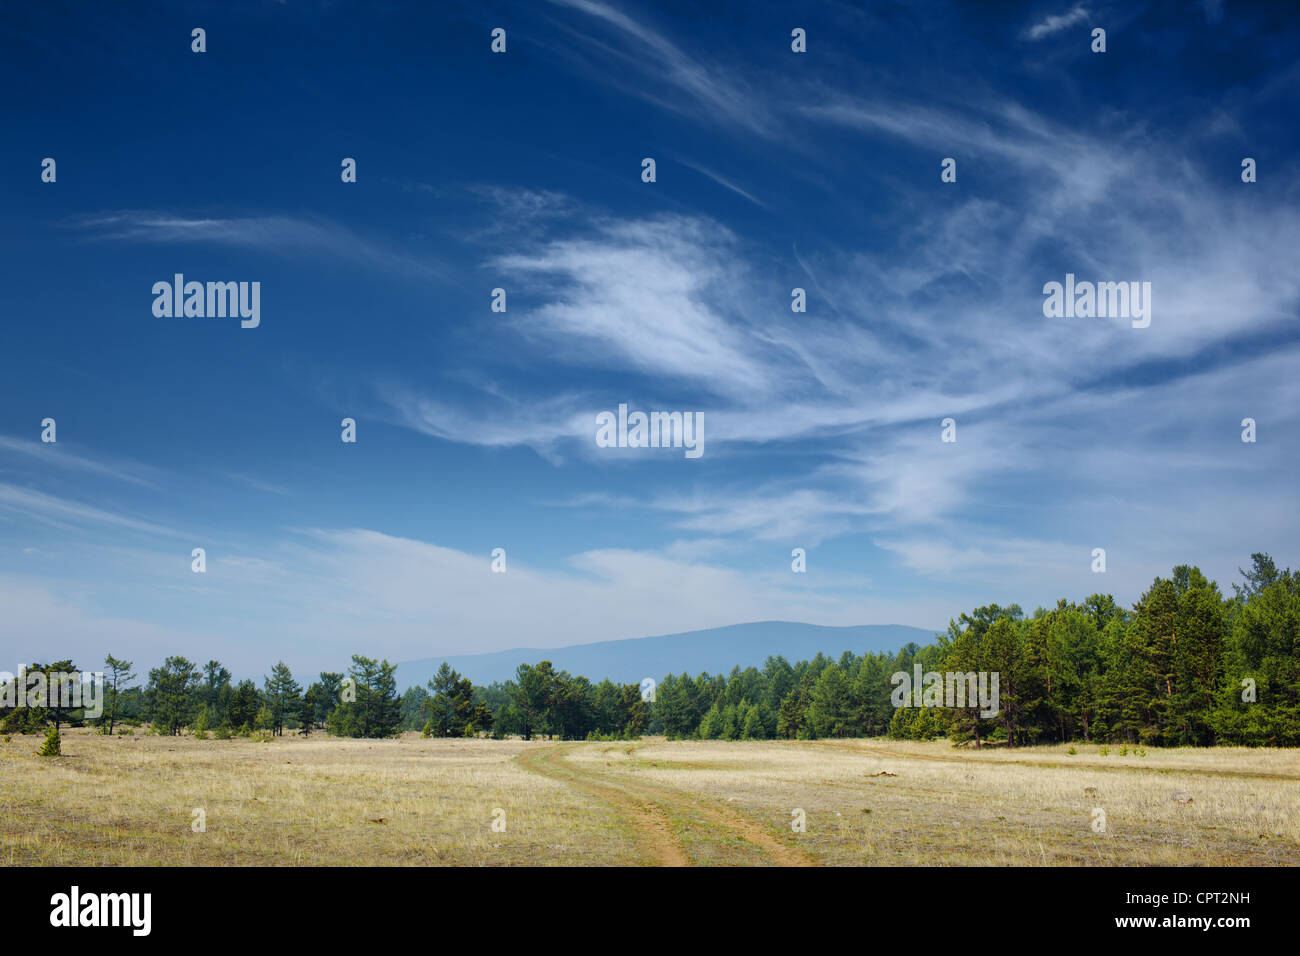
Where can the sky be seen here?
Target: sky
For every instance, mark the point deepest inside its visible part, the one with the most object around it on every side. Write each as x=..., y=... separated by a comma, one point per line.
x=523, y=170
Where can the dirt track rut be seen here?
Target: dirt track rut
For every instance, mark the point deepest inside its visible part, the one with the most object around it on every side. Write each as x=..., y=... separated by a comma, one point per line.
x=650, y=807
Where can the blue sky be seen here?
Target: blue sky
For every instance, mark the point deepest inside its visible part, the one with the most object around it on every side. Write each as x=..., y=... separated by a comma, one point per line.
x=522, y=170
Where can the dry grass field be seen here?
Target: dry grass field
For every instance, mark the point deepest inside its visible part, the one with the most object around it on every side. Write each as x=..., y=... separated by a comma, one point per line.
x=321, y=800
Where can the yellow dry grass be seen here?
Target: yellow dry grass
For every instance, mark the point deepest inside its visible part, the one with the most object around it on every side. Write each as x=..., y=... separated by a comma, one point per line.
x=410, y=801
x=293, y=802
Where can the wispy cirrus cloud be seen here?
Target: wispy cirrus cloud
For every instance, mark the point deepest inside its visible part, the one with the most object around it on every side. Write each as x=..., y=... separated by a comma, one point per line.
x=724, y=182
x=66, y=513
x=58, y=455
x=1056, y=22
x=947, y=321
x=660, y=296
x=257, y=484
x=278, y=234
x=494, y=420
x=646, y=63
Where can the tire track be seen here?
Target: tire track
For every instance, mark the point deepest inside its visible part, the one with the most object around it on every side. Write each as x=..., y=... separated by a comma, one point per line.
x=731, y=822
x=653, y=827
x=649, y=805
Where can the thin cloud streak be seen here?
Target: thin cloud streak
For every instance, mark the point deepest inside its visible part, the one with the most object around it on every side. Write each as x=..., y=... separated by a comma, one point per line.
x=282, y=235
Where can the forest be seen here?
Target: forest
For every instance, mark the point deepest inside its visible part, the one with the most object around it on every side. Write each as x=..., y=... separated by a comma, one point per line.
x=1186, y=665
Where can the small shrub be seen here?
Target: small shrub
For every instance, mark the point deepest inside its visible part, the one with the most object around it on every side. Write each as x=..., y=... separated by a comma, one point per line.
x=222, y=732
x=125, y=731
x=1105, y=751
x=261, y=736
x=52, y=747
x=1073, y=749
x=264, y=719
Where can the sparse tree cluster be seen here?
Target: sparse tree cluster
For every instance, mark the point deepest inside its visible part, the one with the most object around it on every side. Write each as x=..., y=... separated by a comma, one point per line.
x=544, y=701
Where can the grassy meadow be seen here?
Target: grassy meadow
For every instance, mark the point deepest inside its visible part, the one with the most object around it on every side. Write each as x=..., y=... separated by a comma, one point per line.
x=294, y=801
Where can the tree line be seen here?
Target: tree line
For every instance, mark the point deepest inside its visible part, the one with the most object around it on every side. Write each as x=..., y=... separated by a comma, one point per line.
x=1186, y=665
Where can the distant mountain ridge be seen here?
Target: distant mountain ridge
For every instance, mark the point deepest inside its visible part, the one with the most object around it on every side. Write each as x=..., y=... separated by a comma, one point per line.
x=716, y=650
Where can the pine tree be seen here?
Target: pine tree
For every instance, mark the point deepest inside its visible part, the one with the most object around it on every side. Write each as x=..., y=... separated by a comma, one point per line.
x=245, y=702
x=307, y=713
x=170, y=695
x=52, y=747
x=119, y=673
x=450, y=705
x=377, y=709
x=281, y=696
x=264, y=720
x=480, y=720
x=793, y=717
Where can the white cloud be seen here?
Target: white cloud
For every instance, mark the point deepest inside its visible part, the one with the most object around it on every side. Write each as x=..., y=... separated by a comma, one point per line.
x=59, y=455
x=316, y=600
x=43, y=621
x=1056, y=22
x=63, y=513
x=257, y=484
x=281, y=235
x=724, y=182
x=643, y=60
